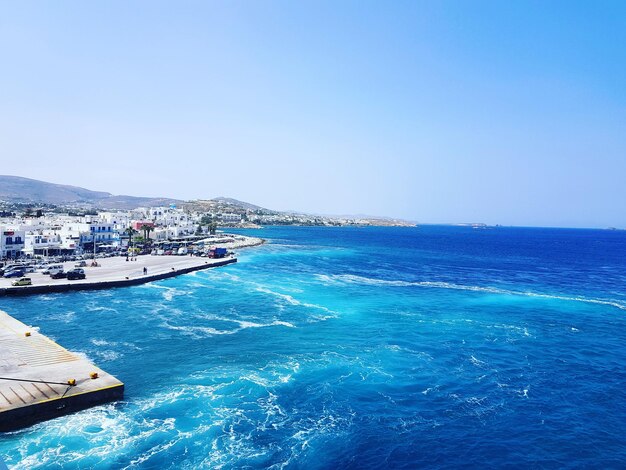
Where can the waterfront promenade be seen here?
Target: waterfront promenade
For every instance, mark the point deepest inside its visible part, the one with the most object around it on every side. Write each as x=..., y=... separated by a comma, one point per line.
x=115, y=272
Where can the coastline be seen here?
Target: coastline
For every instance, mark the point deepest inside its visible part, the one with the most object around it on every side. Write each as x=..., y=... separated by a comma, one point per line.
x=71, y=286
x=117, y=272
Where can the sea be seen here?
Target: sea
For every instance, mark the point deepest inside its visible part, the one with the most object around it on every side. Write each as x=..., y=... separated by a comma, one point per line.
x=357, y=348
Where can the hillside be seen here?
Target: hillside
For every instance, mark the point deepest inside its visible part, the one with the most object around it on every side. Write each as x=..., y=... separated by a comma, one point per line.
x=223, y=204
x=26, y=190
x=237, y=203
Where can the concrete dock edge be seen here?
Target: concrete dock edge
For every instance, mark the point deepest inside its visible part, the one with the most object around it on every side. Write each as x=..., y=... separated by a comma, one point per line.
x=52, y=288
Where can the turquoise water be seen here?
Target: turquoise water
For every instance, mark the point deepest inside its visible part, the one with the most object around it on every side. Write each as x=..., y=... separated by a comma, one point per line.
x=437, y=347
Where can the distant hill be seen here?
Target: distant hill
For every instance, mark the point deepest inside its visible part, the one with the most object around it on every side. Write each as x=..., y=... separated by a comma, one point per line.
x=237, y=203
x=26, y=190
x=15, y=189
x=223, y=204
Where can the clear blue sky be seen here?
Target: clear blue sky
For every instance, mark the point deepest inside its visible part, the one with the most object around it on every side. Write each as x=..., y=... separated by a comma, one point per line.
x=497, y=112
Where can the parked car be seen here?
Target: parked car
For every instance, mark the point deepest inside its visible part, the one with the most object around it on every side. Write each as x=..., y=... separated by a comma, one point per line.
x=22, y=281
x=51, y=269
x=80, y=264
x=58, y=275
x=13, y=273
x=75, y=273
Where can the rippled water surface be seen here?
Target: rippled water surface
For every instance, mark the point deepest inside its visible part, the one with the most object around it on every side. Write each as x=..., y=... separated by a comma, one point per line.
x=354, y=348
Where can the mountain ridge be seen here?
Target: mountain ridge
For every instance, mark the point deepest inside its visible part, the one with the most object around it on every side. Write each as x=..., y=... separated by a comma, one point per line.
x=19, y=189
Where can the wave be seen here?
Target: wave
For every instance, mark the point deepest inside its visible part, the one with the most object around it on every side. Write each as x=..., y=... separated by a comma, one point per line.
x=104, y=342
x=92, y=307
x=204, y=331
x=232, y=418
x=248, y=324
x=353, y=279
x=293, y=301
x=65, y=317
x=108, y=355
x=109, y=431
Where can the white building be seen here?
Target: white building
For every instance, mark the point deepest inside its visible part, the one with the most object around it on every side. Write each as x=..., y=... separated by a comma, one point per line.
x=173, y=231
x=230, y=218
x=168, y=216
x=41, y=242
x=79, y=234
x=11, y=242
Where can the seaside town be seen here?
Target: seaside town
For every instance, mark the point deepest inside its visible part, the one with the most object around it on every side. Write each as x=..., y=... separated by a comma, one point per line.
x=29, y=231
x=36, y=233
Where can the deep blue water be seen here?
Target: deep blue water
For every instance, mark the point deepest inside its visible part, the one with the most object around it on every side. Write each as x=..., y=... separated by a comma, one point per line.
x=429, y=347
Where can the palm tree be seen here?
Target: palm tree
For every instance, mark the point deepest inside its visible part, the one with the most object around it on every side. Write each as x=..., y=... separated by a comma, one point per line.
x=146, y=229
x=130, y=231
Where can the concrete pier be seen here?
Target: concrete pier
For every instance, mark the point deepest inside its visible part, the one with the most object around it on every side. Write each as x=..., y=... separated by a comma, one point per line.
x=115, y=272
x=40, y=380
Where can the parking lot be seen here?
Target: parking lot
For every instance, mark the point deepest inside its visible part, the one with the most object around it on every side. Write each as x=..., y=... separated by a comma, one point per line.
x=117, y=268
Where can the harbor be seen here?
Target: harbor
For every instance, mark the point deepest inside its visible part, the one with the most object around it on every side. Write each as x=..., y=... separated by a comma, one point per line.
x=41, y=380
x=114, y=272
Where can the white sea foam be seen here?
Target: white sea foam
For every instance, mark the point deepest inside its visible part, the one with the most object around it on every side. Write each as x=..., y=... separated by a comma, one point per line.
x=232, y=277
x=293, y=301
x=221, y=432
x=66, y=317
x=197, y=331
x=352, y=279
x=204, y=331
x=250, y=324
x=104, y=342
x=108, y=355
x=99, y=308
x=109, y=432
x=477, y=362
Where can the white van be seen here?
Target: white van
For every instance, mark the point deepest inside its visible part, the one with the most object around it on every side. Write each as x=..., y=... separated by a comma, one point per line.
x=53, y=269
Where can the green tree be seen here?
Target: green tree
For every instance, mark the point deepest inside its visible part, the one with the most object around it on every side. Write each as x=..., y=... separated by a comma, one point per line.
x=206, y=220
x=146, y=229
x=130, y=232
